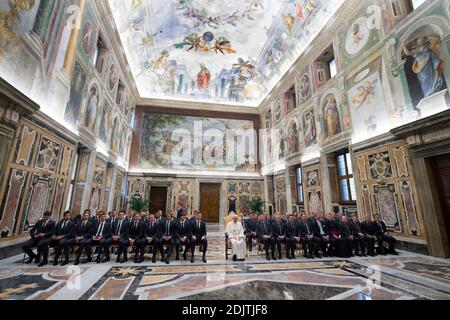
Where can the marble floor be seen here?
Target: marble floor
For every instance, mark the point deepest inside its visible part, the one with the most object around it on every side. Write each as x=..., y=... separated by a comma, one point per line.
x=408, y=276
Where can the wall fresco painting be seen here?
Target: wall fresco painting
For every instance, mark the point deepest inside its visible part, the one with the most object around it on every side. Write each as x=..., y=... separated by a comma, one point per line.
x=370, y=114
x=205, y=150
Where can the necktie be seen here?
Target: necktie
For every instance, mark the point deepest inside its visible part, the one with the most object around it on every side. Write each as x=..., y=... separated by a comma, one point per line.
x=135, y=225
x=279, y=229
x=100, y=229
x=44, y=224
x=151, y=225
x=198, y=226
x=182, y=225
x=265, y=229
x=63, y=226
x=307, y=227
x=118, y=227
x=83, y=224
x=167, y=228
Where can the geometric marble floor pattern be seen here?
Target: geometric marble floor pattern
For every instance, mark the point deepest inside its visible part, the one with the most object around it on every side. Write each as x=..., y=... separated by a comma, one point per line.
x=408, y=276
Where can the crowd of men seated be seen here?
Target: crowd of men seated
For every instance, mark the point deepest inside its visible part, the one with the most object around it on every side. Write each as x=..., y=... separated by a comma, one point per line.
x=123, y=230
x=332, y=236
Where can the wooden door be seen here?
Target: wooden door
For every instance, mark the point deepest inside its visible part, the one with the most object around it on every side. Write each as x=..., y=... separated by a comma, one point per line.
x=158, y=199
x=441, y=168
x=210, y=201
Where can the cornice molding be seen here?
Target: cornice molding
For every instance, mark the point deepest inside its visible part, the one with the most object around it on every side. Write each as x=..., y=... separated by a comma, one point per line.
x=16, y=100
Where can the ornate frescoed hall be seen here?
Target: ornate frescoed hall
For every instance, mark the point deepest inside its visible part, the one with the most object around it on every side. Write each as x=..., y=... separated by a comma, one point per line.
x=265, y=150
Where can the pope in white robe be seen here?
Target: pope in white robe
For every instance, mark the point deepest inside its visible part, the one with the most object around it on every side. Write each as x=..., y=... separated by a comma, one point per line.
x=235, y=232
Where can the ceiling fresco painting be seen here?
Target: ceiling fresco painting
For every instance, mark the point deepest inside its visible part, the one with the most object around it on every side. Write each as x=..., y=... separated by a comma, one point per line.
x=230, y=52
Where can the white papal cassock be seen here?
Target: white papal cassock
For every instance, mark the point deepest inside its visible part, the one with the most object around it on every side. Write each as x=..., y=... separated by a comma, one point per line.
x=235, y=233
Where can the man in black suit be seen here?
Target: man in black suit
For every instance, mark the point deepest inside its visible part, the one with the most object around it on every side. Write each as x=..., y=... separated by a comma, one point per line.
x=96, y=218
x=129, y=216
x=294, y=234
x=64, y=236
x=136, y=230
x=168, y=231
x=159, y=216
x=120, y=237
x=41, y=234
x=112, y=217
x=369, y=230
x=83, y=236
x=334, y=236
x=250, y=230
x=359, y=239
x=280, y=235
x=321, y=234
x=307, y=237
x=151, y=236
x=384, y=236
x=102, y=237
x=199, y=236
x=184, y=236
x=264, y=236
x=346, y=237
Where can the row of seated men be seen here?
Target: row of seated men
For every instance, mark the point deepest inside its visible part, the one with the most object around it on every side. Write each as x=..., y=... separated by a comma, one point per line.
x=333, y=236
x=103, y=231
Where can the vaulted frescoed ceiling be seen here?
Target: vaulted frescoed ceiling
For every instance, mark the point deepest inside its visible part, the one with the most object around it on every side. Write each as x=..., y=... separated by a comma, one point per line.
x=231, y=52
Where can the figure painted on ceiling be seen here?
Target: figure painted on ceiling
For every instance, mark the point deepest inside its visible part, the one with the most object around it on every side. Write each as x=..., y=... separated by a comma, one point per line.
x=245, y=70
x=427, y=63
x=331, y=117
x=289, y=21
x=203, y=78
x=91, y=109
x=161, y=61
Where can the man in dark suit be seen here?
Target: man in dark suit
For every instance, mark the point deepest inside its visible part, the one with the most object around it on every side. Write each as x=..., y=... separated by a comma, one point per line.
x=83, y=237
x=280, y=236
x=41, y=234
x=112, y=217
x=168, y=231
x=136, y=230
x=334, y=235
x=129, y=216
x=151, y=236
x=64, y=236
x=346, y=237
x=294, y=234
x=369, y=230
x=250, y=230
x=307, y=237
x=264, y=236
x=384, y=236
x=199, y=236
x=102, y=237
x=184, y=236
x=321, y=234
x=120, y=237
x=359, y=239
